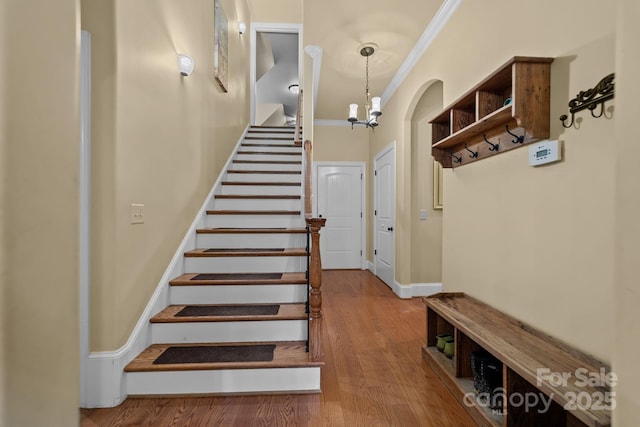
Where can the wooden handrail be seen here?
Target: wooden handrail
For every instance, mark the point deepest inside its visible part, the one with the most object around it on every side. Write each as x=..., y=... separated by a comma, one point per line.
x=307, y=179
x=315, y=262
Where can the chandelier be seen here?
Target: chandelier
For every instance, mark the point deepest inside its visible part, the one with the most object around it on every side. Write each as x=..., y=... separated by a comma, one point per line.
x=372, y=106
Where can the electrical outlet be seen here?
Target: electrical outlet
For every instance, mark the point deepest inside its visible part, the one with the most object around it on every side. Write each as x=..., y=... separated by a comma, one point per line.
x=136, y=213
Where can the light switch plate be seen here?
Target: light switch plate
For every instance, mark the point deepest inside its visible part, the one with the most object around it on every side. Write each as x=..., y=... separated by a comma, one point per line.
x=423, y=214
x=136, y=213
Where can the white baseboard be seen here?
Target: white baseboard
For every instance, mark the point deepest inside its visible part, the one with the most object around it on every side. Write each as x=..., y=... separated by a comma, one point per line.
x=411, y=290
x=416, y=289
x=105, y=384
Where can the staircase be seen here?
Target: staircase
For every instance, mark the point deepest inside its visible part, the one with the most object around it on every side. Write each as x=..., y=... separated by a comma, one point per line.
x=237, y=320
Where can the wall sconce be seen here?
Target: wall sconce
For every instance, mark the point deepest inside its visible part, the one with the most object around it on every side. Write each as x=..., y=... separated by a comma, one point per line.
x=242, y=27
x=185, y=64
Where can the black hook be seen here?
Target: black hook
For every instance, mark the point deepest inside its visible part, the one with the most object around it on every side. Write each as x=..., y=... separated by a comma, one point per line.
x=473, y=155
x=564, y=117
x=494, y=147
x=593, y=109
x=519, y=139
x=456, y=159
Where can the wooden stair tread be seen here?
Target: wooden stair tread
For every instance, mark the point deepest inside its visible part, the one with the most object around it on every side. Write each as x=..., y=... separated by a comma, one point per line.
x=251, y=231
x=270, y=162
x=245, y=252
x=290, y=311
x=256, y=196
x=265, y=172
x=289, y=354
x=243, y=212
x=276, y=183
x=285, y=279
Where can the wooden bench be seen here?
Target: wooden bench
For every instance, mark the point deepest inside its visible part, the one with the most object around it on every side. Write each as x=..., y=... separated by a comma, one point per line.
x=545, y=382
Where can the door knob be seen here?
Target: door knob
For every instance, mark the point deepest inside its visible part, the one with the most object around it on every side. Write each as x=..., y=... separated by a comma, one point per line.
x=389, y=228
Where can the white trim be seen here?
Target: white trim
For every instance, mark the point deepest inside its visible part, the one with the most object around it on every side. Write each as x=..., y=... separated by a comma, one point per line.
x=415, y=289
x=380, y=154
x=268, y=27
x=371, y=267
x=438, y=22
x=327, y=122
x=363, y=191
x=106, y=385
x=85, y=208
x=315, y=52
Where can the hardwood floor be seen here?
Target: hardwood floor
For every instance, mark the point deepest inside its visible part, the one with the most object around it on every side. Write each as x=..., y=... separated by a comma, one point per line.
x=374, y=374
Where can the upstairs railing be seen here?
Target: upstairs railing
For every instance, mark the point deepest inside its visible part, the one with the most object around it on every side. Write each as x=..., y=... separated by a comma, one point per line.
x=314, y=262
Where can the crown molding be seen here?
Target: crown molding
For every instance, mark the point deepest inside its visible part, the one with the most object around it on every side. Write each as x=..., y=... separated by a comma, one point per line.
x=436, y=25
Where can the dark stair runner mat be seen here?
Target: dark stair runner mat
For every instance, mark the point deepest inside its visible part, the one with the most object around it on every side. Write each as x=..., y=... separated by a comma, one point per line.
x=216, y=354
x=229, y=310
x=245, y=250
x=238, y=276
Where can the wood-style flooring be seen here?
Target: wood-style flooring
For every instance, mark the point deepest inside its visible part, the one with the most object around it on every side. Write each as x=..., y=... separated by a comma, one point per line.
x=373, y=375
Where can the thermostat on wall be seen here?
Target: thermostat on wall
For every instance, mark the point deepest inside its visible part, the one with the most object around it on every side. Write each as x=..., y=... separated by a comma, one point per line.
x=543, y=152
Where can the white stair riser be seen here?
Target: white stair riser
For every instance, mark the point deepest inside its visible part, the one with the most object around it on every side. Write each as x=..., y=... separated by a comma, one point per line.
x=284, y=148
x=259, y=264
x=267, y=166
x=269, y=157
x=223, y=381
x=289, y=190
x=252, y=221
x=270, y=240
x=238, y=294
x=263, y=177
x=258, y=204
x=270, y=135
x=248, y=331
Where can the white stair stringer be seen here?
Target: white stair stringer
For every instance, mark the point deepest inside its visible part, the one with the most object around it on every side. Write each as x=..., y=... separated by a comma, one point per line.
x=242, y=206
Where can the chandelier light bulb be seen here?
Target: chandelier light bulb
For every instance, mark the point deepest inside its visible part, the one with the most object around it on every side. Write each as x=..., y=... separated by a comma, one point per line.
x=353, y=112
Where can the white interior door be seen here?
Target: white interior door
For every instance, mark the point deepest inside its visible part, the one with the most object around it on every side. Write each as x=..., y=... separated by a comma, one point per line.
x=384, y=214
x=339, y=200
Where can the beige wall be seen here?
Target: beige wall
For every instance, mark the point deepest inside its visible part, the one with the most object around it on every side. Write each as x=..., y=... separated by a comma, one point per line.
x=281, y=11
x=627, y=212
x=3, y=182
x=341, y=143
x=40, y=140
x=426, y=235
x=161, y=140
x=502, y=218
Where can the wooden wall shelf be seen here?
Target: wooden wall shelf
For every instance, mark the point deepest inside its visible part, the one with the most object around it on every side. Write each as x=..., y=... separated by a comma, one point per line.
x=522, y=351
x=513, y=100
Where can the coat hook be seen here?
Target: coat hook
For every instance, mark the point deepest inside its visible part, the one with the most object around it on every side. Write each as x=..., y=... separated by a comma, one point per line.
x=456, y=159
x=473, y=155
x=519, y=139
x=593, y=109
x=564, y=117
x=591, y=98
x=494, y=147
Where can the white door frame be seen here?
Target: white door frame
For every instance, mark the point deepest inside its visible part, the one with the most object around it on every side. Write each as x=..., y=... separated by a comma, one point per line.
x=84, y=211
x=384, y=151
x=269, y=27
x=363, y=191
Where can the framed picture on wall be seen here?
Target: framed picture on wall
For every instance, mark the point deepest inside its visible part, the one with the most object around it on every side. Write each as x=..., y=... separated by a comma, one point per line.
x=437, y=185
x=221, y=47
